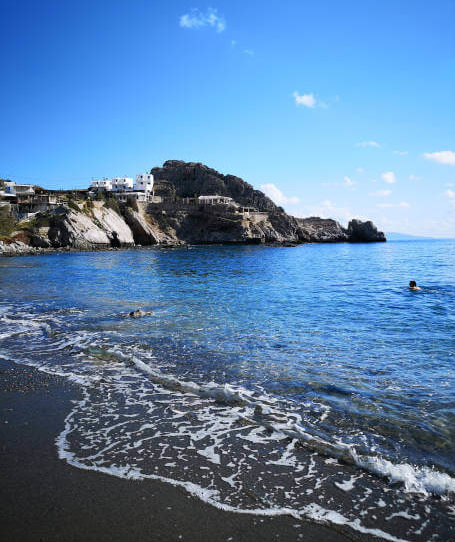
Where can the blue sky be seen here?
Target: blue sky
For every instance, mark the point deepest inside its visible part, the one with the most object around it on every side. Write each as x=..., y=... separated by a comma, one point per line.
x=342, y=109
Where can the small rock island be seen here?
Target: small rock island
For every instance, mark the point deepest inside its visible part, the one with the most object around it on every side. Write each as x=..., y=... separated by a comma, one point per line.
x=177, y=204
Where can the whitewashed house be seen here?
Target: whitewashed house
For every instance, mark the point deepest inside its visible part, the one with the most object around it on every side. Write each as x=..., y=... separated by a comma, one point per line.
x=124, y=188
x=144, y=182
x=103, y=184
x=215, y=200
x=121, y=183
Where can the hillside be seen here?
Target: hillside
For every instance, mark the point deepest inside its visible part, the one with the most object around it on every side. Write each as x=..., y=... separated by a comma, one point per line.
x=87, y=224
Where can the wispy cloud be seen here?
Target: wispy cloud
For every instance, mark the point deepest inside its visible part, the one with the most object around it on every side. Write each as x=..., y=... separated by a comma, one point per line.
x=277, y=196
x=400, y=153
x=249, y=52
x=305, y=100
x=389, y=177
x=380, y=193
x=390, y=205
x=360, y=170
x=451, y=195
x=413, y=177
x=441, y=157
x=368, y=144
x=329, y=209
x=197, y=19
x=348, y=181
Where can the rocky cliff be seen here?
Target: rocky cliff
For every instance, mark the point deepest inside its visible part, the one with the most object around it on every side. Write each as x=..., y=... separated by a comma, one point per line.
x=192, y=178
x=89, y=225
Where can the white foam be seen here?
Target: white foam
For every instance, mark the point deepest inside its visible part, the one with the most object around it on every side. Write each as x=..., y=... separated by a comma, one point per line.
x=414, y=479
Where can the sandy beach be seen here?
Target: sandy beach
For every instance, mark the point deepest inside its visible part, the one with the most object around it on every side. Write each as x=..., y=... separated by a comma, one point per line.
x=43, y=498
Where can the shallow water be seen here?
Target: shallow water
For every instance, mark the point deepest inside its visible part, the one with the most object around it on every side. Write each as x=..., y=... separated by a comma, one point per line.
x=304, y=380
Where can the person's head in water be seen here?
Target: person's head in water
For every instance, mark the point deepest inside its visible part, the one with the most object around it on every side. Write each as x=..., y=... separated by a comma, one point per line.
x=413, y=285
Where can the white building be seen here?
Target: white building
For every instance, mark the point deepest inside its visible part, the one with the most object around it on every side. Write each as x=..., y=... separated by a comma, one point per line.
x=215, y=200
x=12, y=189
x=104, y=184
x=139, y=196
x=123, y=187
x=121, y=183
x=144, y=182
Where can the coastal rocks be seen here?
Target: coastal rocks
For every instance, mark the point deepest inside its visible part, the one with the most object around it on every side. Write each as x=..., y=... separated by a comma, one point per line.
x=139, y=313
x=15, y=248
x=322, y=230
x=114, y=225
x=101, y=229
x=76, y=230
x=364, y=232
x=143, y=233
x=146, y=229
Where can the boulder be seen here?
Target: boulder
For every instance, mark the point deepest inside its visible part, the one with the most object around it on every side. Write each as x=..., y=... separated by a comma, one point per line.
x=364, y=232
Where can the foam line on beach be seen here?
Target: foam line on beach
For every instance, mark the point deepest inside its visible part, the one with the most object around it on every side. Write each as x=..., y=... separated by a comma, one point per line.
x=414, y=479
x=312, y=511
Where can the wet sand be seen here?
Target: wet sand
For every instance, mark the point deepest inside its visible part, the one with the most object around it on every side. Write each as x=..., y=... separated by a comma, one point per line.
x=42, y=498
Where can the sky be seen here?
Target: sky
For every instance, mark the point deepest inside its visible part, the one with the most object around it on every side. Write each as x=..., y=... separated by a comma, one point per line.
x=337, y=109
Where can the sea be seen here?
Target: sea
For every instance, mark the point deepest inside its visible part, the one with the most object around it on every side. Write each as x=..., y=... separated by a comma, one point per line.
x=306, y=381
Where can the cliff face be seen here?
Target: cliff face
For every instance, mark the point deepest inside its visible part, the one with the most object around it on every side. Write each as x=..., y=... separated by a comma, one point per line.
x=191, y=178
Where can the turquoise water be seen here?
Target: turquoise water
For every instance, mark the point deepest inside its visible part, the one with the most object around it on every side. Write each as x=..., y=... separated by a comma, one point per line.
x=315, y=357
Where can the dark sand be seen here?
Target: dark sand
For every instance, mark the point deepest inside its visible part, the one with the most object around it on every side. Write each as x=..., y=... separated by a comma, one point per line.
x=42, y=498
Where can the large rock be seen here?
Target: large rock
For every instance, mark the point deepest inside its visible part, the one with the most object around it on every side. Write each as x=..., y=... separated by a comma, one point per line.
x=101, y=228
x=322, y=230
x=114, y=225
x=193, y=178
x=364, y=232
x=146, y=229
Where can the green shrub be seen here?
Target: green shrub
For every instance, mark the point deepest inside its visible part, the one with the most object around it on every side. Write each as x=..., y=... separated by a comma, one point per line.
x=112, y=203
x=7, y=224
x=132, y=203
x=88, y=206
x=73, y=205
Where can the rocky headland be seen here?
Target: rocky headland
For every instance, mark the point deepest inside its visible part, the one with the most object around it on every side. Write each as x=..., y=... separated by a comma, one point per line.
x=87, y=224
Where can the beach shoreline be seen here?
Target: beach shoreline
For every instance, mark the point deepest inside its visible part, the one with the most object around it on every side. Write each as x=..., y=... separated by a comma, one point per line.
x=44, y=498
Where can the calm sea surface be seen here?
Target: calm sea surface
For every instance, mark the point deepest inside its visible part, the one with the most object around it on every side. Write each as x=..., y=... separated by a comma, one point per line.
x=305, y=380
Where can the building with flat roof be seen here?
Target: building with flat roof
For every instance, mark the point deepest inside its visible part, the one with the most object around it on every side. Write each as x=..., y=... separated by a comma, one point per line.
x=216, y=200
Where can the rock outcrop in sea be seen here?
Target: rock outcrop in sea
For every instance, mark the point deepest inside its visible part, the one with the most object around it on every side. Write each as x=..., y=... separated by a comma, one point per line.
x=179, y=219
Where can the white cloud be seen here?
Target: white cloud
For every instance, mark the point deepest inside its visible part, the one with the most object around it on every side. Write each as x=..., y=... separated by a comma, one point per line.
x=389, y=177
x=277, y=196
x=381, y=193
x=348, y=181
x=233, y=43
x=305, y=100
x=442, y=157
x=451, y=195
x=389, y=205
x=368, y=144
x=198, y=19
x=412, y=177
x=249, y=52
x=400, y=153
x=328, y=209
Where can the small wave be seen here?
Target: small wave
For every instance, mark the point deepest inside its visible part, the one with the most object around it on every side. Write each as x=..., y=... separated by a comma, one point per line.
x=421, y=480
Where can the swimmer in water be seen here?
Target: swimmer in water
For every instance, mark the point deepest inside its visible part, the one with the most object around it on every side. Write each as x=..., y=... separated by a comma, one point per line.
x=413, y=285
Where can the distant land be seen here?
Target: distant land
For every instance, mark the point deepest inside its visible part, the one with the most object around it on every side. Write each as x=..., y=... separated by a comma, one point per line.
x=395, y=236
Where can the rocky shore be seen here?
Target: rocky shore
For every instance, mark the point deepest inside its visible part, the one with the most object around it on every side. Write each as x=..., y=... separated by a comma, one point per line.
x=102, y=224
